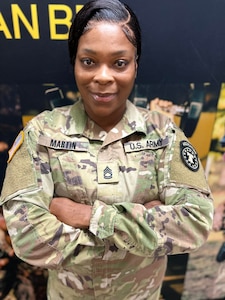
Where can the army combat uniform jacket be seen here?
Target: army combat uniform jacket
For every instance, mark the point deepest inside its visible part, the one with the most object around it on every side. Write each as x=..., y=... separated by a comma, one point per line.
x=123, y=253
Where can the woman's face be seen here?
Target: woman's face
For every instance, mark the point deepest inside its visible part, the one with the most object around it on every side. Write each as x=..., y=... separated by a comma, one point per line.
x=105, y=70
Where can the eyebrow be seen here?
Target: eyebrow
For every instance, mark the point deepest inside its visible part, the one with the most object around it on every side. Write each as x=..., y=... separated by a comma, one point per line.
x=119, y=52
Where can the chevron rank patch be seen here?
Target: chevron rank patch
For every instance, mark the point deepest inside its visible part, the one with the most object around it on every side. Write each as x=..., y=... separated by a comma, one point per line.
x=17, y=143
x=108, y=172
x=189, y=156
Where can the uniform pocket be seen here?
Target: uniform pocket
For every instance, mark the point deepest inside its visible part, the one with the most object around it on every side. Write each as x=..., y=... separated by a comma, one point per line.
x=74, y=176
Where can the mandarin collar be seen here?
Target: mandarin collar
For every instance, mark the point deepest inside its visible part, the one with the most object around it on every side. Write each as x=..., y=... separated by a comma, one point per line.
x=78, y=123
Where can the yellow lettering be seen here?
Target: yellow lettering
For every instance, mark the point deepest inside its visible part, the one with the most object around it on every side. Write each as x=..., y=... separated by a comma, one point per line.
x=54, y=21
x=4, y=27
x=18, y=15
x=60, y=19
x=78, y=7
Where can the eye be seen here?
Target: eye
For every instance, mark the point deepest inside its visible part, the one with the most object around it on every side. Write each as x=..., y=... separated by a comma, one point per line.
x=121, y=63
x=87, y=62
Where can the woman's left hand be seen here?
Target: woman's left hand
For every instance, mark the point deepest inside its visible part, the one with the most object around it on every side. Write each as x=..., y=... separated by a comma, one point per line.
x=71, y=213
x=76, y=214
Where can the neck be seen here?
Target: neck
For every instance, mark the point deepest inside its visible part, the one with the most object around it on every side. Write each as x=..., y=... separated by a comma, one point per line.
x=107, y=121
x=105, y=125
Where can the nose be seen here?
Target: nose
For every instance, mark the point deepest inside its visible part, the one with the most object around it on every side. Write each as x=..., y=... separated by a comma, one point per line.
x=103, y=74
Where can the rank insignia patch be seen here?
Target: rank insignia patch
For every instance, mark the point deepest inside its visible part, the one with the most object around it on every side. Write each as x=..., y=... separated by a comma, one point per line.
x=189, y=156
x=108, y=172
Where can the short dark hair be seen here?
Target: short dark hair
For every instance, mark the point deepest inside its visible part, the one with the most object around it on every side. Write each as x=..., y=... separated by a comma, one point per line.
x=112, y=11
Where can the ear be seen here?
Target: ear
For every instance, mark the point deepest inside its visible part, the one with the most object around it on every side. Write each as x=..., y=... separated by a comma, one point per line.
x=136, y=68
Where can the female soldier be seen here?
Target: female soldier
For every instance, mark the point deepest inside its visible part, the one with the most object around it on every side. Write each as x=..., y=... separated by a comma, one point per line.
x=101, y=192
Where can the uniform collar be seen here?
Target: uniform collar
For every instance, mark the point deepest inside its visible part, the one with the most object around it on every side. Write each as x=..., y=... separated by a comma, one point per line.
x=76, y=119
x=78, y=123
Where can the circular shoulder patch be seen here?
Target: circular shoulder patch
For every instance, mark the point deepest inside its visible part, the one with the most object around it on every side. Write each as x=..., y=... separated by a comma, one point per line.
x=189, y=156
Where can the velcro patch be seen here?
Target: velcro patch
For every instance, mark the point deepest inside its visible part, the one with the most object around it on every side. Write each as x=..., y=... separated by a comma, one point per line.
x=108, y=172
x=189, y=156
x=16, y=145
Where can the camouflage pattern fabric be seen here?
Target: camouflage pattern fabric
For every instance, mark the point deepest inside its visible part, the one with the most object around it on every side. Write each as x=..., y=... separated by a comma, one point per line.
x=123, y=255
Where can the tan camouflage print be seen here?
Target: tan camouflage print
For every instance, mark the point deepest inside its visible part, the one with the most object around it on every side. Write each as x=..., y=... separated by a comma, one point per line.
x=123, y=255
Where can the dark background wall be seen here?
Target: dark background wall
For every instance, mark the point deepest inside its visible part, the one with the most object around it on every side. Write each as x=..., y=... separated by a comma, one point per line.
x=183, y=41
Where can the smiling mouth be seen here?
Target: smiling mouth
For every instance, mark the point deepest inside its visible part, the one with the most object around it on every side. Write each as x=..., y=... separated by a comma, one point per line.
x=106, y=97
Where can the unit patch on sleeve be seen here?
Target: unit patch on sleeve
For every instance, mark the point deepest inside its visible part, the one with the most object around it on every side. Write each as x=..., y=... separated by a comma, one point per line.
x=189, y=156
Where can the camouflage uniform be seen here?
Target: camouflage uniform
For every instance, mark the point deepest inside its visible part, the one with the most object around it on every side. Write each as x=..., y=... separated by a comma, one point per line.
x=123, y=254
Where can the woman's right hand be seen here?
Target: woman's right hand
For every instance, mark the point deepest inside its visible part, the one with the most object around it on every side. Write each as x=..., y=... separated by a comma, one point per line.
x=152, y=204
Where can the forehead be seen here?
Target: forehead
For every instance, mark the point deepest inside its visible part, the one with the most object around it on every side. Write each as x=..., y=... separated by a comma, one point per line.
x=104, y=35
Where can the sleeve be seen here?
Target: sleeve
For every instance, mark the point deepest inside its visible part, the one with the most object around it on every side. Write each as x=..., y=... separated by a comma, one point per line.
x=37, y=236
x=180, y=225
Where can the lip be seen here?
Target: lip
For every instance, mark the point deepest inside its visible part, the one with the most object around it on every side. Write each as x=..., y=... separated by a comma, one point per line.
x=103, y=97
